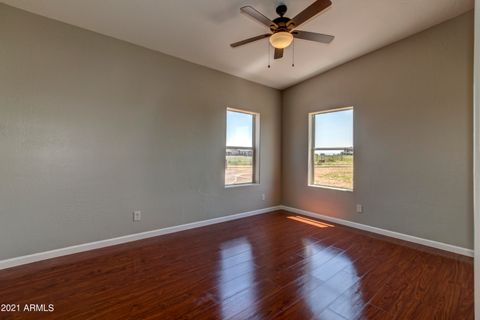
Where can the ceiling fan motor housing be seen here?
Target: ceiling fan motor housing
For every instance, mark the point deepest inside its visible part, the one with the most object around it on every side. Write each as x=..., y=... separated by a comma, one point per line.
x=282, y=23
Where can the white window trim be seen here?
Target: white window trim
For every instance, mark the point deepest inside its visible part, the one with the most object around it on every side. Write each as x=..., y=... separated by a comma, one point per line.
x=311, y=146
x=255, y=147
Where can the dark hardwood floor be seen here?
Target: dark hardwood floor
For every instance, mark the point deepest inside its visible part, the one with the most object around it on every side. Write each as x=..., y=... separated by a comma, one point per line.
x=271, y=266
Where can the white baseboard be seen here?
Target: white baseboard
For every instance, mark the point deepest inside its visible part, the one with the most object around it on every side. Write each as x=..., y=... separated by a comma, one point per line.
x=388, y=233
x=9, y=263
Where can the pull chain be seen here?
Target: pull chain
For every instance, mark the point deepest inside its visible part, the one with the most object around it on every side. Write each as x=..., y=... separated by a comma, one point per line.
x=268, y=44
x=293, y=53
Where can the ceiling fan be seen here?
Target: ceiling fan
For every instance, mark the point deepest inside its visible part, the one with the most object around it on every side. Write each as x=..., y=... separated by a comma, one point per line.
x=284, y=29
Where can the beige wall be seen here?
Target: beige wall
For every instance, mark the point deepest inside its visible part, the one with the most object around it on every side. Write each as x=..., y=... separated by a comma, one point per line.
x=413, y=136
x=92, y=128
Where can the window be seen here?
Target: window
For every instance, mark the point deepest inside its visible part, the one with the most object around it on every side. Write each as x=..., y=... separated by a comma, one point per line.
x=241, y=156
x=331, y=149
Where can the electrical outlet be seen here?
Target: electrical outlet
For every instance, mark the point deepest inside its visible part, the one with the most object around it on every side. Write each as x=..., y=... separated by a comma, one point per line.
x=137, y=215
x=359, y=208
x=263, y=196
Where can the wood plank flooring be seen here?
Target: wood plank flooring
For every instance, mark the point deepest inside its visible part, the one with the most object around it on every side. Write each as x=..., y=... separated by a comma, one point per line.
x=271, y=266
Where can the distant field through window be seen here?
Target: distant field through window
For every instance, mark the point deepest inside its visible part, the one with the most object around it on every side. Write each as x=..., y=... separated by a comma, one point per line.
x=331, y=149
x=241, y=148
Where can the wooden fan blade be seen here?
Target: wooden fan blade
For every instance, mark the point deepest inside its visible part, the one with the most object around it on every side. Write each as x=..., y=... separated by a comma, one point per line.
x=313, y=36
x=240, y=43
x=278, y=54
x=311, y=11
x=252, y=12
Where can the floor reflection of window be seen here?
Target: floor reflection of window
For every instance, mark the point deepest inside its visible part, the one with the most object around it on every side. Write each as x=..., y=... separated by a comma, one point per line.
x=236, y=279
x=340, y=285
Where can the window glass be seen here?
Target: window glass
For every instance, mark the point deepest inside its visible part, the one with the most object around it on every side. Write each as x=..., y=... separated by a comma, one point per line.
x=239, y=129
x=240, y=151
x=331, y=154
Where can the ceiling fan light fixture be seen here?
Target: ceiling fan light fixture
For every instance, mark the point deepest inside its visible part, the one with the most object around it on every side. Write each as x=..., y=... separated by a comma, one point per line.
x=281, y=40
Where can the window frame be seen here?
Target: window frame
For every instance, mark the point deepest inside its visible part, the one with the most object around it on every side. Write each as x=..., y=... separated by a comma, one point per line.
x=312, y=149
x=255, y=148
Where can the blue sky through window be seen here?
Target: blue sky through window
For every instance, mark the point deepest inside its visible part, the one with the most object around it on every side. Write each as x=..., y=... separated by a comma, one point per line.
x=334, y=129
x=239, y=129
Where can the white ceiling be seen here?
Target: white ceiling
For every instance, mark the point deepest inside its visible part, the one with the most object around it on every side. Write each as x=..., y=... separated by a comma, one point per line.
x=200, y=31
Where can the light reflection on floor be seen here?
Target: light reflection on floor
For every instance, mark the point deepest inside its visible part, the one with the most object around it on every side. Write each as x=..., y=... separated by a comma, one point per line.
x=340, y=288
x=311, y=222
x=324, y=283
x=237, y=274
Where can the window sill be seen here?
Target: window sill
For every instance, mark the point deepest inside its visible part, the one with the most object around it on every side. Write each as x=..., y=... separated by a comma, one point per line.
x=228, y=186
x=330, y=188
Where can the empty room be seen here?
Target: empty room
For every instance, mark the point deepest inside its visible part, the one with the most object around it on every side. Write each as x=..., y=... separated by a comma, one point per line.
x=239, y=159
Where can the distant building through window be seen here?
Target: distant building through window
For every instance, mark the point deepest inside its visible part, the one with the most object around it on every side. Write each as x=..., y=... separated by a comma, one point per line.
x=331, y=149
x=241, y=148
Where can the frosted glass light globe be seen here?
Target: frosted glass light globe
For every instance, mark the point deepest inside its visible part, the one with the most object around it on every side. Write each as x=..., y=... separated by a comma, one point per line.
x=281, y=40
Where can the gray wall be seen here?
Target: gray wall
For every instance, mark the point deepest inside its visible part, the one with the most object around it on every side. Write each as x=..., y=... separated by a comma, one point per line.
x=413, y=135
x=92, y=128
